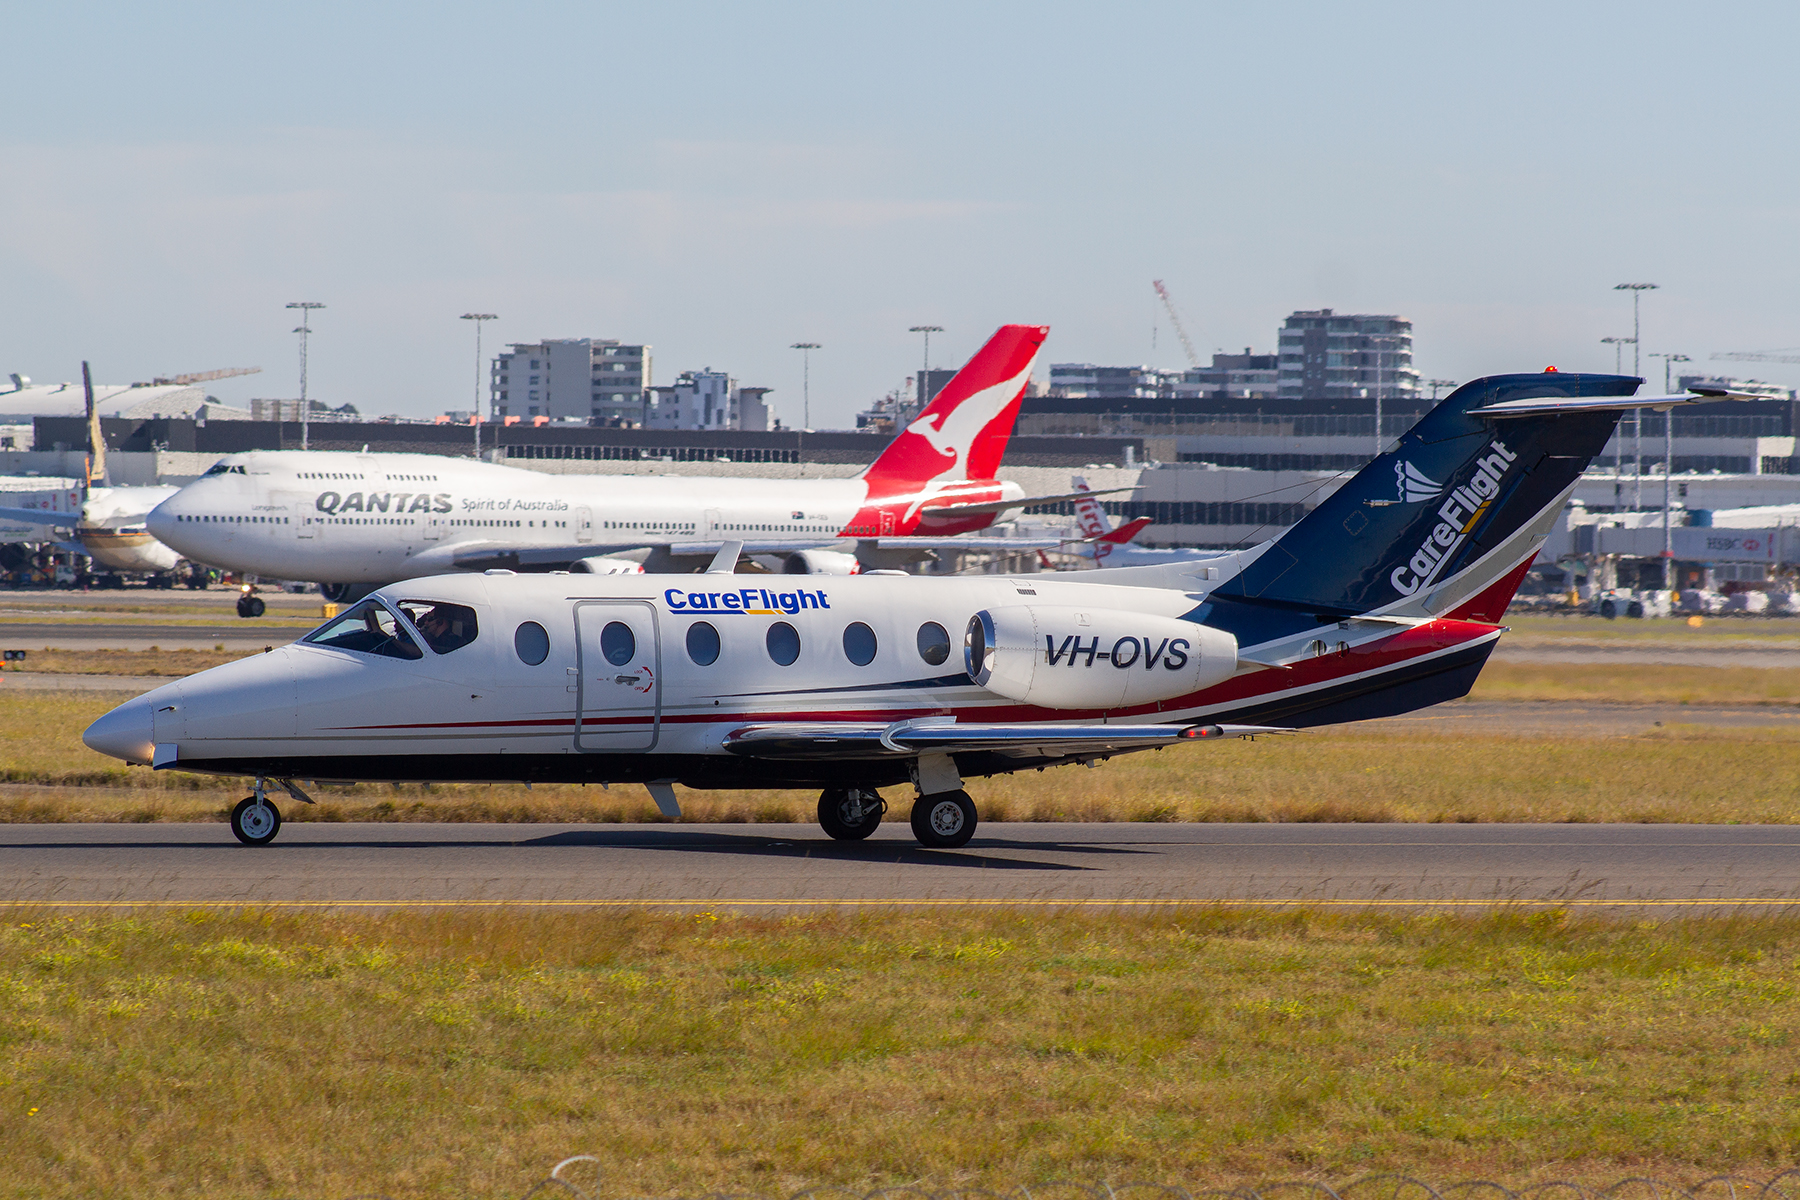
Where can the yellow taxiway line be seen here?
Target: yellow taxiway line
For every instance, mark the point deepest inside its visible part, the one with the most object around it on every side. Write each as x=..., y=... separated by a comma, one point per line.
x=901, y=901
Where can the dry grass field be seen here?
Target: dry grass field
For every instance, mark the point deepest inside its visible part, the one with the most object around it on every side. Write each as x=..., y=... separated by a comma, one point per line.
x=1677, y=773
x=236, y=1053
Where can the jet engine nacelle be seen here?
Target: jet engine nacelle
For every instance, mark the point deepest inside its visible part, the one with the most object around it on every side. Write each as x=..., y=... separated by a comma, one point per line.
x=1093, y=658
x=600, y=564
x=821, y=562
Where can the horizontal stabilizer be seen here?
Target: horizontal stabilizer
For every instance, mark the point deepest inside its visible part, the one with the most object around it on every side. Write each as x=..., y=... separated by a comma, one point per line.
x=936, y=735
x=1552, y=405
x=997, y=506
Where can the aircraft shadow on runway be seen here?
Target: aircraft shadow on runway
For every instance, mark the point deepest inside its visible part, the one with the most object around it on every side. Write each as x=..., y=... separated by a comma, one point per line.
x=887, y=851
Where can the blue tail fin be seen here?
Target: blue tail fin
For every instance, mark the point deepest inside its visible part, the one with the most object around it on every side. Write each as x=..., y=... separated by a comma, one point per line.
x=1444, y=513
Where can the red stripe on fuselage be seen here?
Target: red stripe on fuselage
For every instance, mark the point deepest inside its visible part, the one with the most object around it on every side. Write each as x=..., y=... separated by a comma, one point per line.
x=1333, y=667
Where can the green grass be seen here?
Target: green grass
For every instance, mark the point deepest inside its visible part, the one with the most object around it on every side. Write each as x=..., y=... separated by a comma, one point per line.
x=237, y=1054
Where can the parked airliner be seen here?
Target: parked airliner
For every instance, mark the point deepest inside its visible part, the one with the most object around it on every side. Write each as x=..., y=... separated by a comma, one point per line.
x=1385, y=598
x=111, y=528
x=369, y=519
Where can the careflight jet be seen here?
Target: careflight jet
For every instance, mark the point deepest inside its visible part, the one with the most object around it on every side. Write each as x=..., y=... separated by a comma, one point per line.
x=1385, y=598
x=368, y=519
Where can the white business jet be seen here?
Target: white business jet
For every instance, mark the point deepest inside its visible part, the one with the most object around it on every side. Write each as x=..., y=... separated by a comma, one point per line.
x=354, y=521
x=1387, y=597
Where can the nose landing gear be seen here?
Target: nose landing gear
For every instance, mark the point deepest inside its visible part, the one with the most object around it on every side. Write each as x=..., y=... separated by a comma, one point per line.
x=255, y=821
x=249, y=603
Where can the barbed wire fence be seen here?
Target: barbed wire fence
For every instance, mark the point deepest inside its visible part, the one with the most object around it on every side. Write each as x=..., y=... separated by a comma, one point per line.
x=562, y=1181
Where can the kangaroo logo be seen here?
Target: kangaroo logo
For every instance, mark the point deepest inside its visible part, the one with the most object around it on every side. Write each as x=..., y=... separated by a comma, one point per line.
x=1413, y=485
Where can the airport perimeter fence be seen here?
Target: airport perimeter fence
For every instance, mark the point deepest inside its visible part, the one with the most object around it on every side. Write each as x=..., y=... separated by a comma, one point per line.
x=563, y=1181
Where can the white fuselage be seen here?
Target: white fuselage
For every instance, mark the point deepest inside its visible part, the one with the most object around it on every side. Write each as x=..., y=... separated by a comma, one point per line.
x=114, y=532
x=373, y=518
x=706, y=655
x=487, y=706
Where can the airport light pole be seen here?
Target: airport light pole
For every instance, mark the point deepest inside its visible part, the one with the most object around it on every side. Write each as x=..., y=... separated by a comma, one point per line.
x=1618, y=343
x=925, y=371
x=1637, y=291
x=305, y=331
x=478, y=318
x=1668, y=554
x=805, y=349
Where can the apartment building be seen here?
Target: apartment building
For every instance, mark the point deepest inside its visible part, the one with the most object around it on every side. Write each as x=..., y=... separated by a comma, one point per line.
x=598, y=380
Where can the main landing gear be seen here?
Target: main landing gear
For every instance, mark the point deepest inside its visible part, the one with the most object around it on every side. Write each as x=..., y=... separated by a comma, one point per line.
x=944, y=821
x=943, y=817
x=850, y=814
x=255, y=821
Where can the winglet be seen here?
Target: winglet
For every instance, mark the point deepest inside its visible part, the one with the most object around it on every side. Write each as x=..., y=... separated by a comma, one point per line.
x=725, y=561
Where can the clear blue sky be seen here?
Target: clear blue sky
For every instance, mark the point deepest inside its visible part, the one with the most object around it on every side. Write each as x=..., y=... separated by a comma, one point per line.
x=721, y=180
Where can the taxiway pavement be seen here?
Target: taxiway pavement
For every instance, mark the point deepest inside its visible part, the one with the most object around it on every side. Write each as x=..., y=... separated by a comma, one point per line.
x=758, y=867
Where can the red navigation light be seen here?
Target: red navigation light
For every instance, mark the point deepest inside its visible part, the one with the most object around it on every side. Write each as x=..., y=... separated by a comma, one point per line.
x=1549, y=370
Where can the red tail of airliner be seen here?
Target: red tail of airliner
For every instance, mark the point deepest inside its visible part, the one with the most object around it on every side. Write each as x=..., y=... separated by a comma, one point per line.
x=961, y=436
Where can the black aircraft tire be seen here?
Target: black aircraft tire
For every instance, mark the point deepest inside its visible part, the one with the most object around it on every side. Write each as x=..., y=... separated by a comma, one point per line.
x=944, y=821
x=251, y=606
x=834, y=817
x=258, y=830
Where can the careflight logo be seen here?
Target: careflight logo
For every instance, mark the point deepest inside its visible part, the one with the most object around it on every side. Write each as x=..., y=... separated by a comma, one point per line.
x=1413, y=485
x=1460, y=513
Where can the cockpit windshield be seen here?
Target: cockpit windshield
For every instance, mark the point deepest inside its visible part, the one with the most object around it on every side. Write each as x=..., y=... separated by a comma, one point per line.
x=367, y=629
x=223, y=469
x=445, y=627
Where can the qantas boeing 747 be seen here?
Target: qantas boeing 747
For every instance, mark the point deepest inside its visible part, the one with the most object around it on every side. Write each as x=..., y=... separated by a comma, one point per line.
x=369, y=519
x=1387, y=597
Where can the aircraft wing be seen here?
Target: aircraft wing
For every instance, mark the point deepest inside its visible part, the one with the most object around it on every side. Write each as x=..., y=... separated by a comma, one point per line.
x=38, y=516
x=938, y=735
x=486, y=555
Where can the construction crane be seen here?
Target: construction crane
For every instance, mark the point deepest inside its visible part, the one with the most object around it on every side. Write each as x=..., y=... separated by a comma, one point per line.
x=1175, y=320
x=1756, y=356
x=199, y=377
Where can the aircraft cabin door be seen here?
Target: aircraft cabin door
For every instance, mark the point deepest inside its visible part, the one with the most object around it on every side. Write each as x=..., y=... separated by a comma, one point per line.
x=584, y=525
x=618, y=664
x=713, y=523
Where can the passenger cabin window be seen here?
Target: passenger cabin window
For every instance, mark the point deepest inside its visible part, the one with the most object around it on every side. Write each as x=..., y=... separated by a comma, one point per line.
x=445, y=627
x=617, y=643
x=934, y=643
x=703, y=644
x=783, y=641
x=859, y=643
x=367, y=629
x=531, y=642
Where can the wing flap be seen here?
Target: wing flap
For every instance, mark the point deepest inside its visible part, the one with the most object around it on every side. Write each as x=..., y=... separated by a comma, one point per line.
x=936, y=735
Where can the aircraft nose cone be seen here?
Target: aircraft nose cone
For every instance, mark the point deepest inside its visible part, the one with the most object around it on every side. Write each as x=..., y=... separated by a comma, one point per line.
x=126, y=732
x=161, y=522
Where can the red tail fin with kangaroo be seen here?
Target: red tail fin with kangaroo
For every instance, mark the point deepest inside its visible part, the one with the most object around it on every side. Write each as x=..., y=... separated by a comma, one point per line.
x=962, y=433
